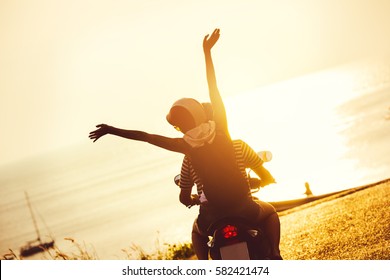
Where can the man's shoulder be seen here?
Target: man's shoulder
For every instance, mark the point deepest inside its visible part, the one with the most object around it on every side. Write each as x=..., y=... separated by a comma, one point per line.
x=239, y=143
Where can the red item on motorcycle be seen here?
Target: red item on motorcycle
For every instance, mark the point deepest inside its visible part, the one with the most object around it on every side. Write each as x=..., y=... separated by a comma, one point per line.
x=229, y=231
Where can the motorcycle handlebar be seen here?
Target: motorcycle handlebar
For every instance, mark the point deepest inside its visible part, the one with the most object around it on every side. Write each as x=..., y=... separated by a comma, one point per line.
x=254, y=183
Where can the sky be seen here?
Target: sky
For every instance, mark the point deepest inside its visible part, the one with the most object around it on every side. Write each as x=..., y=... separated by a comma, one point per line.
x=66, y=66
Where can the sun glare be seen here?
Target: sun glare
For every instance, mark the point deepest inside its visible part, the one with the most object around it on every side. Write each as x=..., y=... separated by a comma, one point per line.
x=297, y=122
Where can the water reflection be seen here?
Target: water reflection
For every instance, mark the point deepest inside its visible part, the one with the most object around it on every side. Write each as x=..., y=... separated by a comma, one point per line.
x=319, y=128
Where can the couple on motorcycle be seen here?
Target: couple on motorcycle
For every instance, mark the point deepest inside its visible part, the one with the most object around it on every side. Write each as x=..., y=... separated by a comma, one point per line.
x=213, y=161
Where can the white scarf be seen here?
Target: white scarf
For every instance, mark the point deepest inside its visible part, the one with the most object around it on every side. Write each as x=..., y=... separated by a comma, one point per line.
x=201, y=134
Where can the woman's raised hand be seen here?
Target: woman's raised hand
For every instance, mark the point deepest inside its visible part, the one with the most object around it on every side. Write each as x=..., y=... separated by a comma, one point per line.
x=208, y=43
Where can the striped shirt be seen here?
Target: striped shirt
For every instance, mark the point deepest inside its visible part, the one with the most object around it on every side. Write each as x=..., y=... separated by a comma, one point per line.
x=246, y=157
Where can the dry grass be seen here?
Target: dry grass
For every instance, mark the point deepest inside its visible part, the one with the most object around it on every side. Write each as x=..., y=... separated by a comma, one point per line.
x=179, y=251
x=80, y=252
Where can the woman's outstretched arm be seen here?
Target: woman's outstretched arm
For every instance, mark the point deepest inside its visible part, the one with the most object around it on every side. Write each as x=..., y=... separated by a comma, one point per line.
x=171, y=144
x=215, y=96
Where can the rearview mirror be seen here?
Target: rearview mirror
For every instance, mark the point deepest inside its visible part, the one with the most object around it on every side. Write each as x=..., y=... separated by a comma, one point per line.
x=177, y=180
x=265, y=156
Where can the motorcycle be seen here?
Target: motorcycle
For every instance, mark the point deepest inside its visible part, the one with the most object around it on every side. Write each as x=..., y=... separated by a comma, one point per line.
x=235, y=238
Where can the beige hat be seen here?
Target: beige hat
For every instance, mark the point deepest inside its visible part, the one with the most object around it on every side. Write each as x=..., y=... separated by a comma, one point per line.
x=193, y=107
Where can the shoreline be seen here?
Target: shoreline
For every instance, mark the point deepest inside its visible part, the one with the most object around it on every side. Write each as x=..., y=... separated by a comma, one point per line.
x=289, y=206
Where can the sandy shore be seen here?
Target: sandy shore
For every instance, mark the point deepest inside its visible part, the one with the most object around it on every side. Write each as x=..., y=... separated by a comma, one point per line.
x=351, y=225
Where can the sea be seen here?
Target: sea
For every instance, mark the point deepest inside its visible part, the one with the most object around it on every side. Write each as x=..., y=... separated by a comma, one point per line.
x=330, y=129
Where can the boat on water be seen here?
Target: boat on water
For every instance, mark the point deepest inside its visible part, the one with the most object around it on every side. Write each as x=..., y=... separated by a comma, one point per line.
x=35, y=246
